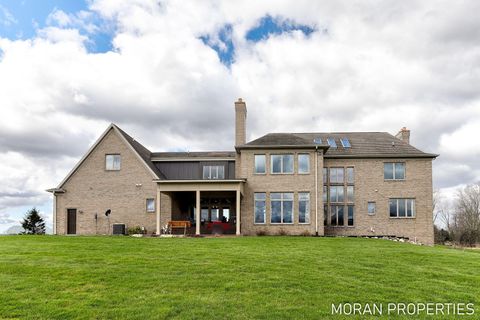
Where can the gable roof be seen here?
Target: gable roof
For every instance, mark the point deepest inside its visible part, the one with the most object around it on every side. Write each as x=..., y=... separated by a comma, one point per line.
x=363, y=144
x=195, y=155
x=140, y=151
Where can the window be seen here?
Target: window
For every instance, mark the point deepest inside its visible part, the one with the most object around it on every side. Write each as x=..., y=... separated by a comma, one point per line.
x=282, y=163
x=325, y=175
x=336, y=215
x=325, y=194
x=303, y=207
x=204, y=214
x=350, y=175
x=345, y=143
x=317, y=140
x=303, y=163
x=113, y=162
x=402, y=208
x=394, y=170
x=259, y=199
x=214, y=214
x=281, y=207
x=350, y=210
x=325, y=215
x=331, y=142
x=150, y=205
x=213, y=172
x=371, y=208
x=260, y=163
x=350, y=194
x=336, y=194
x=337, y=175
x=226, y=214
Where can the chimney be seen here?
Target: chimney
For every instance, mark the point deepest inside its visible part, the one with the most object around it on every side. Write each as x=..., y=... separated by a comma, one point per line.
x=404, y=135
x=240, y=122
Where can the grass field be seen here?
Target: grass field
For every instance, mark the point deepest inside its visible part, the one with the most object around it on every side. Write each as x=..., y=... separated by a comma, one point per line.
x=224, y=278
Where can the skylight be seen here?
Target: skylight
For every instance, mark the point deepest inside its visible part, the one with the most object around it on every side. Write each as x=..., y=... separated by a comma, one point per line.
x=331, y=142
x=317, y=140
x=345, y=143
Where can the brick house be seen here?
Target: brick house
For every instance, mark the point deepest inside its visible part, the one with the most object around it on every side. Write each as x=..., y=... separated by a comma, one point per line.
x=343, y=183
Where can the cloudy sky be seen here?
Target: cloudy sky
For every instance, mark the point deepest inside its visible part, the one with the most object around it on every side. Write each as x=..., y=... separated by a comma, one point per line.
x=168, y=73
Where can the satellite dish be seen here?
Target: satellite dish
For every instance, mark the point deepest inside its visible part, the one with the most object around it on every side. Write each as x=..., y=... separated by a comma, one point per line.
x=107, y=213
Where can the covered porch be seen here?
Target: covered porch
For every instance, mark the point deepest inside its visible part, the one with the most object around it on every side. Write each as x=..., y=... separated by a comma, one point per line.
x=218, y=202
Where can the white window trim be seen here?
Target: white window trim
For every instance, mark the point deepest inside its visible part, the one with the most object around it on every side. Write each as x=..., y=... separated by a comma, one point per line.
x=281, y=209
x=298, y=161
x=394, y=178
x=264, y=214
x=210, y=168
x=281, y=163
x=414, y=208
x=255, y=167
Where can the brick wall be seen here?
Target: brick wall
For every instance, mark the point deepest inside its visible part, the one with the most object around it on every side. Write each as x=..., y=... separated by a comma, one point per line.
x=92, y=190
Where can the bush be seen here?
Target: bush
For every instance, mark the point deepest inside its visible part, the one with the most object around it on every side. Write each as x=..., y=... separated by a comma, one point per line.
x=281, y=232
x=136, y=230
x=441, y=235
x=469, y=237
x=261, y=232
x=306, y=233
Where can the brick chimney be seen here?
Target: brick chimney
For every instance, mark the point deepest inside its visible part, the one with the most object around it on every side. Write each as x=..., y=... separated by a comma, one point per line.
x=240, y=122
x=404, y=135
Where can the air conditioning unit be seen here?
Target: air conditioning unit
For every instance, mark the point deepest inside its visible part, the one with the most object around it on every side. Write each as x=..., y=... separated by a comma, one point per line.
x=119, y=229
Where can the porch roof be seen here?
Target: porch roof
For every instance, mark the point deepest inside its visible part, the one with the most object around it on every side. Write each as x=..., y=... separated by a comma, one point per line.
x=201, y=185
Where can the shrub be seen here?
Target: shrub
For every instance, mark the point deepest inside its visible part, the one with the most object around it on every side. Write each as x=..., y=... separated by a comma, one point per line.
x=441, y=235
x=305, y=233
x=469, y=237
x=261, y=232
x=136, y=230
x=281, y=232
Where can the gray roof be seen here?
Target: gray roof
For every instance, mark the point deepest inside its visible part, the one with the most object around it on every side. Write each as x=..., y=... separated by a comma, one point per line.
x=363, y=144
x=193, y=155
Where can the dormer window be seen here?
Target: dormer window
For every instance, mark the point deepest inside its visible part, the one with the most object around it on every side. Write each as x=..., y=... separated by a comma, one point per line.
x=113, y=162
x=213, y=172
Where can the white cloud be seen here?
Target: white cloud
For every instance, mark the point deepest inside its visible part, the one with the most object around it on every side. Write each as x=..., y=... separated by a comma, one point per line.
x=369, y=67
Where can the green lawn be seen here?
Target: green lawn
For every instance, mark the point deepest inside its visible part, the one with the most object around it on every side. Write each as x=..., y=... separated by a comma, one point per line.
x=224, y=278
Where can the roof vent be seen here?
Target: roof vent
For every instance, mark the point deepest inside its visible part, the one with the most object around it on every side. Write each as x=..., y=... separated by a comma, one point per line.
x=393, y=143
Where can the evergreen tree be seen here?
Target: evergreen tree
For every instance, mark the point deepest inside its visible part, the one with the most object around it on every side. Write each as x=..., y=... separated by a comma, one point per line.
x=33, y=223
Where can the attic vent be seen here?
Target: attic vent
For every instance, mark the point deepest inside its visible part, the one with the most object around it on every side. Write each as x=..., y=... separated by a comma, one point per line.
x=118, y=229
x=317, y=140
x=331, y=142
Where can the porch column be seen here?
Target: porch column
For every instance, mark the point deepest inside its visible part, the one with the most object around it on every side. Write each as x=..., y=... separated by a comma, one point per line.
x=197, y=212
x=158, y=210
x=54, y=213
x=237, y=212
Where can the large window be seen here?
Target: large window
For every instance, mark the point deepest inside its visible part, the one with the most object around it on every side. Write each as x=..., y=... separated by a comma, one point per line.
x=339, y=196
x=350, y=210
x=281, y=207
x=150, y=205
x=394, y=170
x=402, y=208
x=303, y=207
x=260, y=199
x=303, y=163
x=213, y=172
x=281, y=163
x=337, y=175
x=336, y=215
x=260, y=163
x=113, y=162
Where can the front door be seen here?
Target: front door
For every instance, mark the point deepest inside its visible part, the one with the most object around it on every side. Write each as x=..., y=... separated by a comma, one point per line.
x=71, y=221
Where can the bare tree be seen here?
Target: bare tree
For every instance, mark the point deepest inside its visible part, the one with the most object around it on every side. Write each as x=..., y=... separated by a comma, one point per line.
x=466, y=221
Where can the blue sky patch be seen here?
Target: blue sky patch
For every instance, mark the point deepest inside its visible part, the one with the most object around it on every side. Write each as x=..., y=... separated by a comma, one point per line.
x=270, y=26
x=22, y=19
x=223, y=45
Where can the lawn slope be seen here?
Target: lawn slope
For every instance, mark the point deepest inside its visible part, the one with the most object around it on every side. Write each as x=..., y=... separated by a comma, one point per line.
x=50, y=277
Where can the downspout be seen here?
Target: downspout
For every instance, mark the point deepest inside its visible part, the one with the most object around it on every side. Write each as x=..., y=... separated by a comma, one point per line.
x=316, y=191
x=54, y=213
